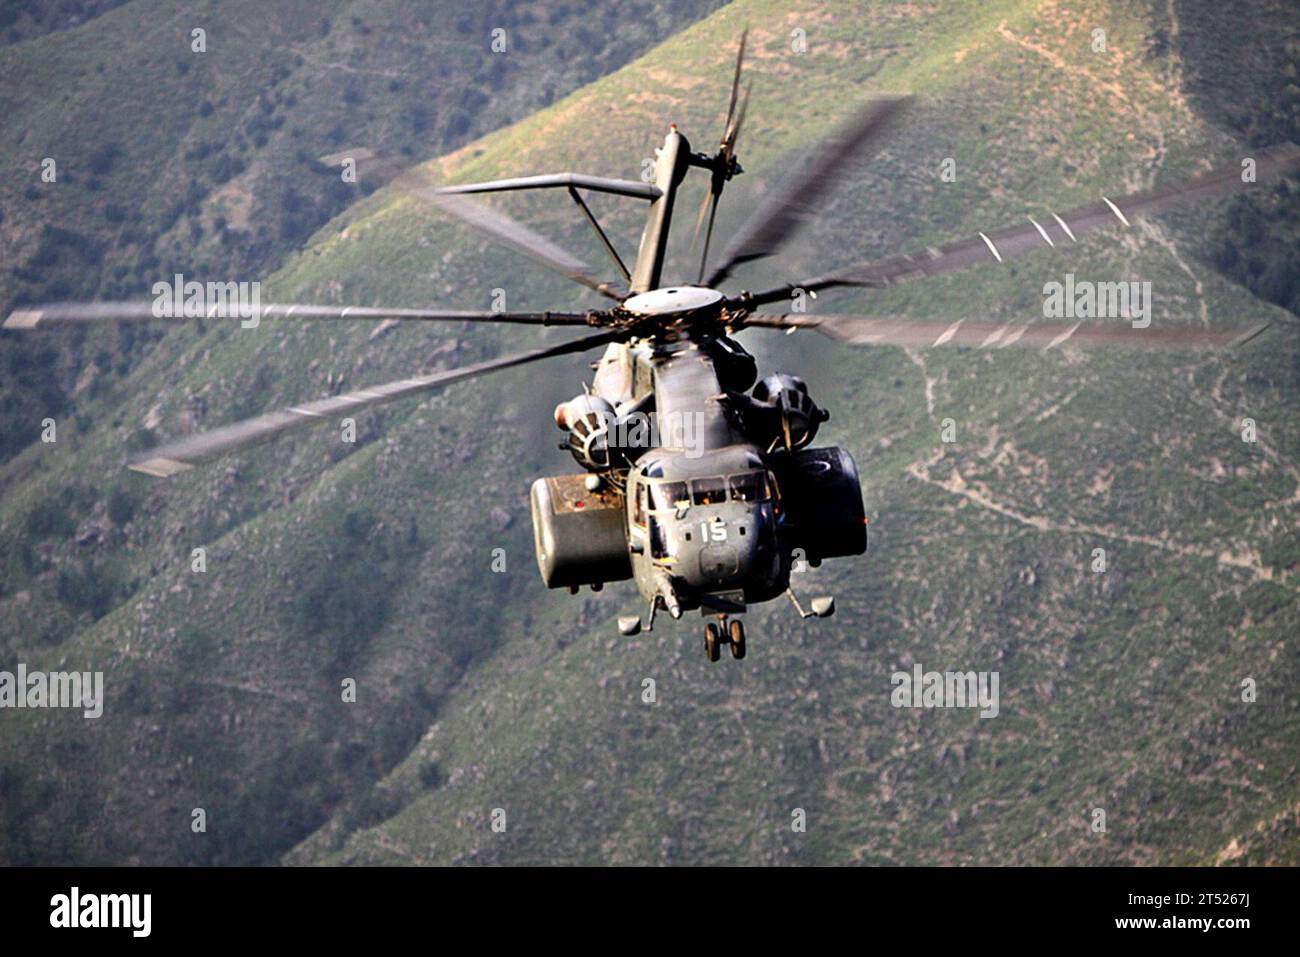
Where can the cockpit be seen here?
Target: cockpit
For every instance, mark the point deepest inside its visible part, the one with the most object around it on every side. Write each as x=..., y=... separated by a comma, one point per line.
x=666, y=495
x=709, y=521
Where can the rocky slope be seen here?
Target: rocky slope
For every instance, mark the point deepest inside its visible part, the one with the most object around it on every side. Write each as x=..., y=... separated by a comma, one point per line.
x=477, y=690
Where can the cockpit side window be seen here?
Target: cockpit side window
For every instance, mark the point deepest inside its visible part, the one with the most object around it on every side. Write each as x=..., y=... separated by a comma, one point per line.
x=661, y=544
x=639, y=504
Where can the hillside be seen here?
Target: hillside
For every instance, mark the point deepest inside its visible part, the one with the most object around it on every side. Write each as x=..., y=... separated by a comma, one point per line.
x=200, y=154
x=479, y=690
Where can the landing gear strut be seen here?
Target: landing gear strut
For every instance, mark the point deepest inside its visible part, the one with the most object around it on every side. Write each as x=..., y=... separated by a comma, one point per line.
x=725, y=632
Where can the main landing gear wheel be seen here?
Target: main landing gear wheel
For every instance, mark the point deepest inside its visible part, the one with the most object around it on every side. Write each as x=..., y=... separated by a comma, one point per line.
x=712, y=641
x=737, y=630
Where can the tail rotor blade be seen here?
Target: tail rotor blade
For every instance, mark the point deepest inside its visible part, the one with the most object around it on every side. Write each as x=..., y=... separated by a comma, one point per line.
x=733, y=132
x=735, y=82
x=789, y=207
x=708, y=233
x=724, y=160
x=699, y=219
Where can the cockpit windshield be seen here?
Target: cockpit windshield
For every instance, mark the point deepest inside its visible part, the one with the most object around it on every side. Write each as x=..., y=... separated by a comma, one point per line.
x=749, y=487
x=711, y=490
x=666, y=496
x=708, y=491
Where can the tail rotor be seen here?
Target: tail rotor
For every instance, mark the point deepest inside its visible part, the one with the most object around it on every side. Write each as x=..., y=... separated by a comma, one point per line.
x=722, y=164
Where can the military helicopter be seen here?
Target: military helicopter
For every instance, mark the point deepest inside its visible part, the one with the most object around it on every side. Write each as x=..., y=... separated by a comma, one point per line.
x=712, y=505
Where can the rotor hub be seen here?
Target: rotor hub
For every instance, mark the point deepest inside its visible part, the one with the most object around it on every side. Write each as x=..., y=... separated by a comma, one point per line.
x=673, y=301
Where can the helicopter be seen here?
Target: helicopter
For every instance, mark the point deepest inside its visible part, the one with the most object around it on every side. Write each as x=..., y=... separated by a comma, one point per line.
x=699, y=479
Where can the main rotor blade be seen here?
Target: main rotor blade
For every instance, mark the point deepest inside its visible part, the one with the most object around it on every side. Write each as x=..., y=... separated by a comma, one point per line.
x=794, y=203
x=418, y=181
x=69, y=313
x=173, y=457
x=506, y=230
x=981, y=334
x=1053, y=230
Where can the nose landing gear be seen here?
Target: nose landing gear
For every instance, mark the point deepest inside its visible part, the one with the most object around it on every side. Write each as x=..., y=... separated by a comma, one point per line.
x=725, y=632
x=737, y=634
x=711, y=640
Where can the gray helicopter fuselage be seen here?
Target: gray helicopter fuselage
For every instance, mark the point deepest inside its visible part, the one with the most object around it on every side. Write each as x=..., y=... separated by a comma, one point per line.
x=696, y=504
x=701, y=512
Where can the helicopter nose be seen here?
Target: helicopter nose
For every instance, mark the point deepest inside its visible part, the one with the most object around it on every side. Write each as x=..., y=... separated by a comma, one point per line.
x=720, y=562
x=731, y=542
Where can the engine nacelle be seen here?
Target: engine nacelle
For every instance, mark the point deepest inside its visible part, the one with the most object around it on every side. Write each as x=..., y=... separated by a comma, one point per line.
x=783, y=413
x=736, y=369
x=588, y=419
x=602, y=437
x=823, y=501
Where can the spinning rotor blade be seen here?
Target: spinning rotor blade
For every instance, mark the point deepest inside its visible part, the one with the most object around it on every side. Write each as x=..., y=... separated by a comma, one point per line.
x=733, y=129
x=735, y=85
x=716, y=183
x=793, y=203
x=512, y=233
x=723, y=160
x=709, y=206
x=928, y=333
x=173, y=457
x=374, y=167
x=418, y=181
x=69, y=313
x=1053, y=230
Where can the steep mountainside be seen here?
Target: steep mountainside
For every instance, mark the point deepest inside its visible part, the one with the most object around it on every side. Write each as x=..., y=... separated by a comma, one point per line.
x=478, y=690
x=187, y=137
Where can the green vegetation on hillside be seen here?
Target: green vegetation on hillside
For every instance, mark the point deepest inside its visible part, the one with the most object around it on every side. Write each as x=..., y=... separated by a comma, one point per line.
x=479, y=690
x=170, y=160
